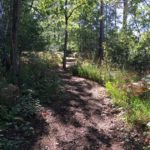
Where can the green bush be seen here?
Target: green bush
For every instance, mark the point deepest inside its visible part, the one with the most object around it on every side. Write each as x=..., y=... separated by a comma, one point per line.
x=27, y=105
x=18, y=121
x=140, y=58
x=118, y=49
x=46, y=88
x=38, y=72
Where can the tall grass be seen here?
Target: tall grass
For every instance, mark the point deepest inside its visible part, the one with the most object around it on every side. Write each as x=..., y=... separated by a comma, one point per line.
x=139, y=111
x=137, y=108
x=89, y=70
x=119, y=97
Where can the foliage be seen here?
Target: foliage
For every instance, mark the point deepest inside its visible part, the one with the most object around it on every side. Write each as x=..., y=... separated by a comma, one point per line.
x=119, y=97
x=138, y=112
x=137, y=109
x=39, y=83
x=27, y=106
x=89, y=71
x=118, y=49
x=141, y=56
x=18, y=121
x=30, y=34
x=38, y=74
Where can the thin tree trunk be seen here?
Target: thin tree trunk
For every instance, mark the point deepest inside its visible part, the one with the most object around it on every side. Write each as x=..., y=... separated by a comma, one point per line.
x=106, y=21
x=66, y=36
x=14, y=36
x=125, y=14
x=115, y=16
x=101, y=32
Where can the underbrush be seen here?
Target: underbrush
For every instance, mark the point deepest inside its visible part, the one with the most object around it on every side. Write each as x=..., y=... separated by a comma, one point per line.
x=116, y=82
x=17, y=123
x=137, y=109
x=39, y=82
x=39, y=74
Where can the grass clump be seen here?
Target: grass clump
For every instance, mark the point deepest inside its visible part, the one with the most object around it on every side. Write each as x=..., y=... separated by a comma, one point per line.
x=139, y=112
x=88, y=70
x=137, y=109
x=119, y=97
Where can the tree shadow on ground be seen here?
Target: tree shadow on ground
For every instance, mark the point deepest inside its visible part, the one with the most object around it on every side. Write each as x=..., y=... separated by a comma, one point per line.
x=75, y=99
x=92, y=140
x=76, y=95
x=41, y=128
x=74, y=116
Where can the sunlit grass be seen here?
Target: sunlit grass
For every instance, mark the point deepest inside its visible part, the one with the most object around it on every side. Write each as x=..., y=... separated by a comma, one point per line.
x=116, y=82
x=44, y=57
x=119, y=97
x=139, y=111
x=89, y=71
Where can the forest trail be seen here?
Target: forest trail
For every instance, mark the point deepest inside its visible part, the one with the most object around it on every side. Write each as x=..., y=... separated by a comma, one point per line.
x=83, y=118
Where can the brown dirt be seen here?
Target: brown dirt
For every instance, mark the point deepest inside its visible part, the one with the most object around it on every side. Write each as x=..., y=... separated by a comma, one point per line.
x=82, y=117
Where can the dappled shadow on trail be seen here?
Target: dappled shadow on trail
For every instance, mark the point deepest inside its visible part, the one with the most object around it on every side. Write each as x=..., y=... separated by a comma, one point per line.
x=81, y=117
x=77, y=116
x=76, y=95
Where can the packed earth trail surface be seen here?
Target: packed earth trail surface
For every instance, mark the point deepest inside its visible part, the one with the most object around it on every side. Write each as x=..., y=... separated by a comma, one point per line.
x=83, y=118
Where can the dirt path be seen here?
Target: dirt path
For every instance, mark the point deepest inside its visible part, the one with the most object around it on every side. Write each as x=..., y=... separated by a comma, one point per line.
x=83, y=119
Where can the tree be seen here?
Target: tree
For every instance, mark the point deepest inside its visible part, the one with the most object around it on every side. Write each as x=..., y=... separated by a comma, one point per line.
x=15, y=13
x=67, y=14
x=66, y=33
x=101, y=31
x=125, y=14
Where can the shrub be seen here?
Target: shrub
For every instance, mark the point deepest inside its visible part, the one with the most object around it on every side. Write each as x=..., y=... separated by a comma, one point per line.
x=38, y=71
x=46, y=88
x=27, y=106
x=140, y=59
x=18, y=121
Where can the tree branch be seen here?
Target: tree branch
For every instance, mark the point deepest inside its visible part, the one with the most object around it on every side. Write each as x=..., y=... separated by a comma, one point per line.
x=74, y=10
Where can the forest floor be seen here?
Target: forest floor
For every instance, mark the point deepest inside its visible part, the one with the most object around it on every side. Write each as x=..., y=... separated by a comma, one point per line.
x=82, y=117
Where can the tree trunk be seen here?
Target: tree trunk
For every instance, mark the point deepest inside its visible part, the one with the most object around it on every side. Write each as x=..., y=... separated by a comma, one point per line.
x=115, y=16
x=14, y=36
x=106, y=21
x=101, y=32
x=66, y=36
x=125, y=14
